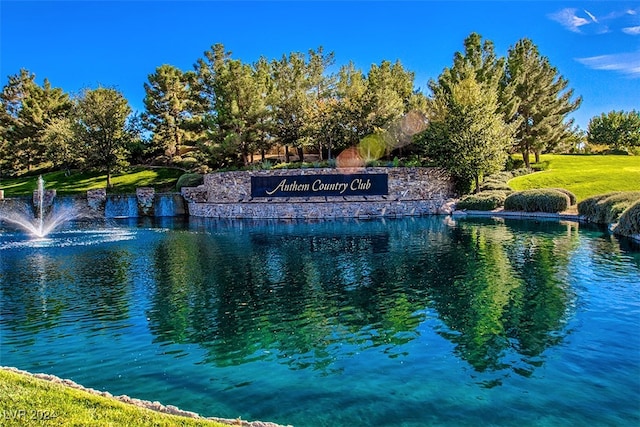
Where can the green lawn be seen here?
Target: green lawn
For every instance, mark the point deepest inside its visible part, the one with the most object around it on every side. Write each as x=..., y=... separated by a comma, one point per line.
x=29, y=401
x=583, y=175
x=162, y=179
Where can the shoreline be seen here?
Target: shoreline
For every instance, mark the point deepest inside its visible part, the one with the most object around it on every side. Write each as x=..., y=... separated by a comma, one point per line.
x=154, y=406
x=561, y=216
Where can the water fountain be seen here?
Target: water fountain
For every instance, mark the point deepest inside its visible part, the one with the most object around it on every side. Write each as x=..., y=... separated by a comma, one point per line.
x=43, y=218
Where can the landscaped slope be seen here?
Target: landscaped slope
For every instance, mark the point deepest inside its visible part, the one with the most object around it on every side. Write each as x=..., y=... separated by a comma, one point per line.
x=583, y=175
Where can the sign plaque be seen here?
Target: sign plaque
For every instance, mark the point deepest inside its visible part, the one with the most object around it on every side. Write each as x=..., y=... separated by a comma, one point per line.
x=320, y=185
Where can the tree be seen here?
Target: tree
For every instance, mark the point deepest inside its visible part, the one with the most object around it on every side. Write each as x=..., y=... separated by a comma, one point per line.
x=61, y=143
x=102, y=127
x=168, y=108
x=291, y=85
x=542, y=101
x=320, y=127
x=351, y=89
x=27, y=111
x=478, y=61
x=618, y=129
x=470, y=138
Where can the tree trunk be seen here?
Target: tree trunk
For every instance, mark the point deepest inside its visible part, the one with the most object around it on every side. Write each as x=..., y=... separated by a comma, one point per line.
x=301, y=154
x=525, y=157
x=477, y=179
x=263, y=155
x=286, y=154
x=537, y=154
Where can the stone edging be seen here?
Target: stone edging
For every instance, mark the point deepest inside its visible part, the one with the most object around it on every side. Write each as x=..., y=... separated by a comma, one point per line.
x=544, y=215
x=154, y=406
x=512, y=214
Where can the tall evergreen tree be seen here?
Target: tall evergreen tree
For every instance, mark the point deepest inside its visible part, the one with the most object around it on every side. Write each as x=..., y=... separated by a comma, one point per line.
x=290, y=101
x=27, y=110
x=101, y=125
x=542, y=100
x=168, y=108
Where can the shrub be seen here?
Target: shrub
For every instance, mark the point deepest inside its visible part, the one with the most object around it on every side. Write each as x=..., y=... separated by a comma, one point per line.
x=187, y=162
x=189, y=180
x=607, y=208
x=572, y=197
x=499, y=180
x=483, y=201
x=494, y=186
x=629, y=223
x=540, y=200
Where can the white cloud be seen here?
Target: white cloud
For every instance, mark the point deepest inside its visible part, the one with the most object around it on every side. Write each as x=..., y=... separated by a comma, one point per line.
x=568, y=19
x=626, y=63
x=593, y=18
x=632, y=31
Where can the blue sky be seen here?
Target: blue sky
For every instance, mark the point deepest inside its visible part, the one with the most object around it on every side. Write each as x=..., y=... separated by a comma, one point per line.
x=80, y=44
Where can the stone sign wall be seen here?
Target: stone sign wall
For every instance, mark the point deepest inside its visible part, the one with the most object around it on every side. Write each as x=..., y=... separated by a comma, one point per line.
x=411, y=191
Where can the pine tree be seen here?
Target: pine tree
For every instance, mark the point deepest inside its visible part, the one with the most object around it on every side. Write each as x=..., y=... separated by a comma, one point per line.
x=168, y=108
x=27, y=110
x=542, y=100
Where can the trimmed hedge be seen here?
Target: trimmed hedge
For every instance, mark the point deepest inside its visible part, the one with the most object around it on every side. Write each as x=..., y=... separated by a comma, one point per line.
x=483, y=201
x=189, y=180
x=572, y=197
x=540, y=200
x=629, y=223
x=607, y=208
x=499, y=180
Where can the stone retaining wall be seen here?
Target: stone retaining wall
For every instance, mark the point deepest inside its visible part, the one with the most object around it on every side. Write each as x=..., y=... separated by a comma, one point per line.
x=412, y=191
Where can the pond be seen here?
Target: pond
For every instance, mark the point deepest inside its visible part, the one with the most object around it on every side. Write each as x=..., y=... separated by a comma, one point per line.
x=408, y=322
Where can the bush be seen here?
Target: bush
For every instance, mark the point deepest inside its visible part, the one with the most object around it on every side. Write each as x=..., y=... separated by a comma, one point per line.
x=607, y=208
x=483, y=201
x=189, y=180
x=499, y=180
x=186, y=162
x=541, y=200
x=495, y=186
x=629, y=223
x=572, y=197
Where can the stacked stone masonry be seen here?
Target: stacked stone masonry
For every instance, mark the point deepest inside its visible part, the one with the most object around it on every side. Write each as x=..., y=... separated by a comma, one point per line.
x=412, y=192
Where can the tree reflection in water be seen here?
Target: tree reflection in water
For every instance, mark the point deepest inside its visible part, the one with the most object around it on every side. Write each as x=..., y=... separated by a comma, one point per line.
x=308, y=296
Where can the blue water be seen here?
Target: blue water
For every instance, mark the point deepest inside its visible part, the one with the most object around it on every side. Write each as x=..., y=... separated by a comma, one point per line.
x=409, y=322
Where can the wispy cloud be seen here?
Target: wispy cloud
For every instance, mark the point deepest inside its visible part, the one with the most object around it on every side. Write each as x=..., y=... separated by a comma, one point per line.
x=625, y=63
x=585, y=22
x=568, y=19
x=632, y=31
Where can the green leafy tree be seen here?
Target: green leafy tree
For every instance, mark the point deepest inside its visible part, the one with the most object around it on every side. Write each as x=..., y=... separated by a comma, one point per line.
x=470, y=138
x=542, y=101
x=351, y=89
x=320, y=128
x=168, y=108
x=618, y=129
x=101, y=125
x=61, y=144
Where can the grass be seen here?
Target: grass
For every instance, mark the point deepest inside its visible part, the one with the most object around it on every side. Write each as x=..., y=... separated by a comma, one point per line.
x=162, y=179
x=584, y=175
x=29, y=401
